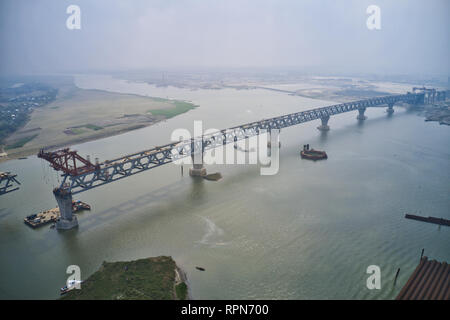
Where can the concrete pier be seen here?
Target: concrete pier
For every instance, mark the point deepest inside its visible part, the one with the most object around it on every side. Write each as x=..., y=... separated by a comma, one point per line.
x=361, y=115
x=324, y=126
x=390, y=109
x=269, y=138
x=197, y=170
x=64, y=200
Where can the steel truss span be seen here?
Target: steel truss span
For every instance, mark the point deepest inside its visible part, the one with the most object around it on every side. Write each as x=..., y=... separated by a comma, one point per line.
x=80, y=174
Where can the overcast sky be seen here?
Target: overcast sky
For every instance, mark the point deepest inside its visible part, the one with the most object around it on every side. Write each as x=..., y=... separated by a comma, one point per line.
x=134, y=34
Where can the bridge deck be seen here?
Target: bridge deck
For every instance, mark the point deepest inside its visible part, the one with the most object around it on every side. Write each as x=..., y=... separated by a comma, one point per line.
x=116, y=169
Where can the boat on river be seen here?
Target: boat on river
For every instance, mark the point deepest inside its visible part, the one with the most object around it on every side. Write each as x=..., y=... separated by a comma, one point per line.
x=311, y=154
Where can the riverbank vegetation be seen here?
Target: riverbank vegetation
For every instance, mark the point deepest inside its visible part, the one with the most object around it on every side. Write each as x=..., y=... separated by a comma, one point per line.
x=179, y=107
x=143, y=279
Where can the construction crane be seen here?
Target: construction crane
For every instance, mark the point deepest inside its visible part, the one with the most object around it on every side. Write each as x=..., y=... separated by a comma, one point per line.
x=429, y=94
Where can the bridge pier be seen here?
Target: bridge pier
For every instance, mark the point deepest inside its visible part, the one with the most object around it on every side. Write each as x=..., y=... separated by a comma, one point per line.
x=390, y=109
x=197, y=170
x=361, y=115
x=324, y=126
x=269, y=138
x=64, y=199
x=440, y=95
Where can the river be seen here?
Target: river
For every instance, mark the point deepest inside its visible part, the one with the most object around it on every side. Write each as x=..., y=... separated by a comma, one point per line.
x=308, y=232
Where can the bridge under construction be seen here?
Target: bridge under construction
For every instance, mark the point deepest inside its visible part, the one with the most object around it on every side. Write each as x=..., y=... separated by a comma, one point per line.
x=80, y=174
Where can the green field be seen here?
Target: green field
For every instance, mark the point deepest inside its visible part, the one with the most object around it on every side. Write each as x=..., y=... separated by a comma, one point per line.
x=93, y=127
x=20, y=143
x=77, y=131
x=179, y=107
x=144, y=279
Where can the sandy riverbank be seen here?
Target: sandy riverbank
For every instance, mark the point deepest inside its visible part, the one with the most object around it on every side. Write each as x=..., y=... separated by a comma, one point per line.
x=80, y=115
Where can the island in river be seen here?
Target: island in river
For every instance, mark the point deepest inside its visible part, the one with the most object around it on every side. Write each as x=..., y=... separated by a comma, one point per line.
x=157, y=278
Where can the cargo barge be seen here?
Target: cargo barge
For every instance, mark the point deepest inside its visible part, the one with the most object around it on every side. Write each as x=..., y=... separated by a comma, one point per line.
x=52, y=215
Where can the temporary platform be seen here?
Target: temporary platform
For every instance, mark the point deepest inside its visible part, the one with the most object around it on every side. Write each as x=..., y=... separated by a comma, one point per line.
x=52, y=215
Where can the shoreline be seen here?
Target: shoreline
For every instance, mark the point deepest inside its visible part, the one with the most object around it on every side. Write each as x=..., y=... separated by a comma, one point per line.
x=142, y=111
x=183, y=278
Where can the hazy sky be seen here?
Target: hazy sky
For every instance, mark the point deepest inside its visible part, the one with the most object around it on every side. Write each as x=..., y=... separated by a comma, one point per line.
x=133, y=34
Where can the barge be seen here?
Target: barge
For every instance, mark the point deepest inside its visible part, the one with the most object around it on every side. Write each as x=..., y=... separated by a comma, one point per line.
x=52, y=215
x=439, y=221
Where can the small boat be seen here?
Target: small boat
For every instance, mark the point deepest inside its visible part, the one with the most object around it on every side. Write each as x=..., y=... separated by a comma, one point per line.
x=71, y=286
x=64, y=290
x=79, y=205
x=200, y=268
x=311, y=154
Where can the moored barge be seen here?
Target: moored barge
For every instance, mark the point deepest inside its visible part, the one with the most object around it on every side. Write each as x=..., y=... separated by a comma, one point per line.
x=52, y=215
